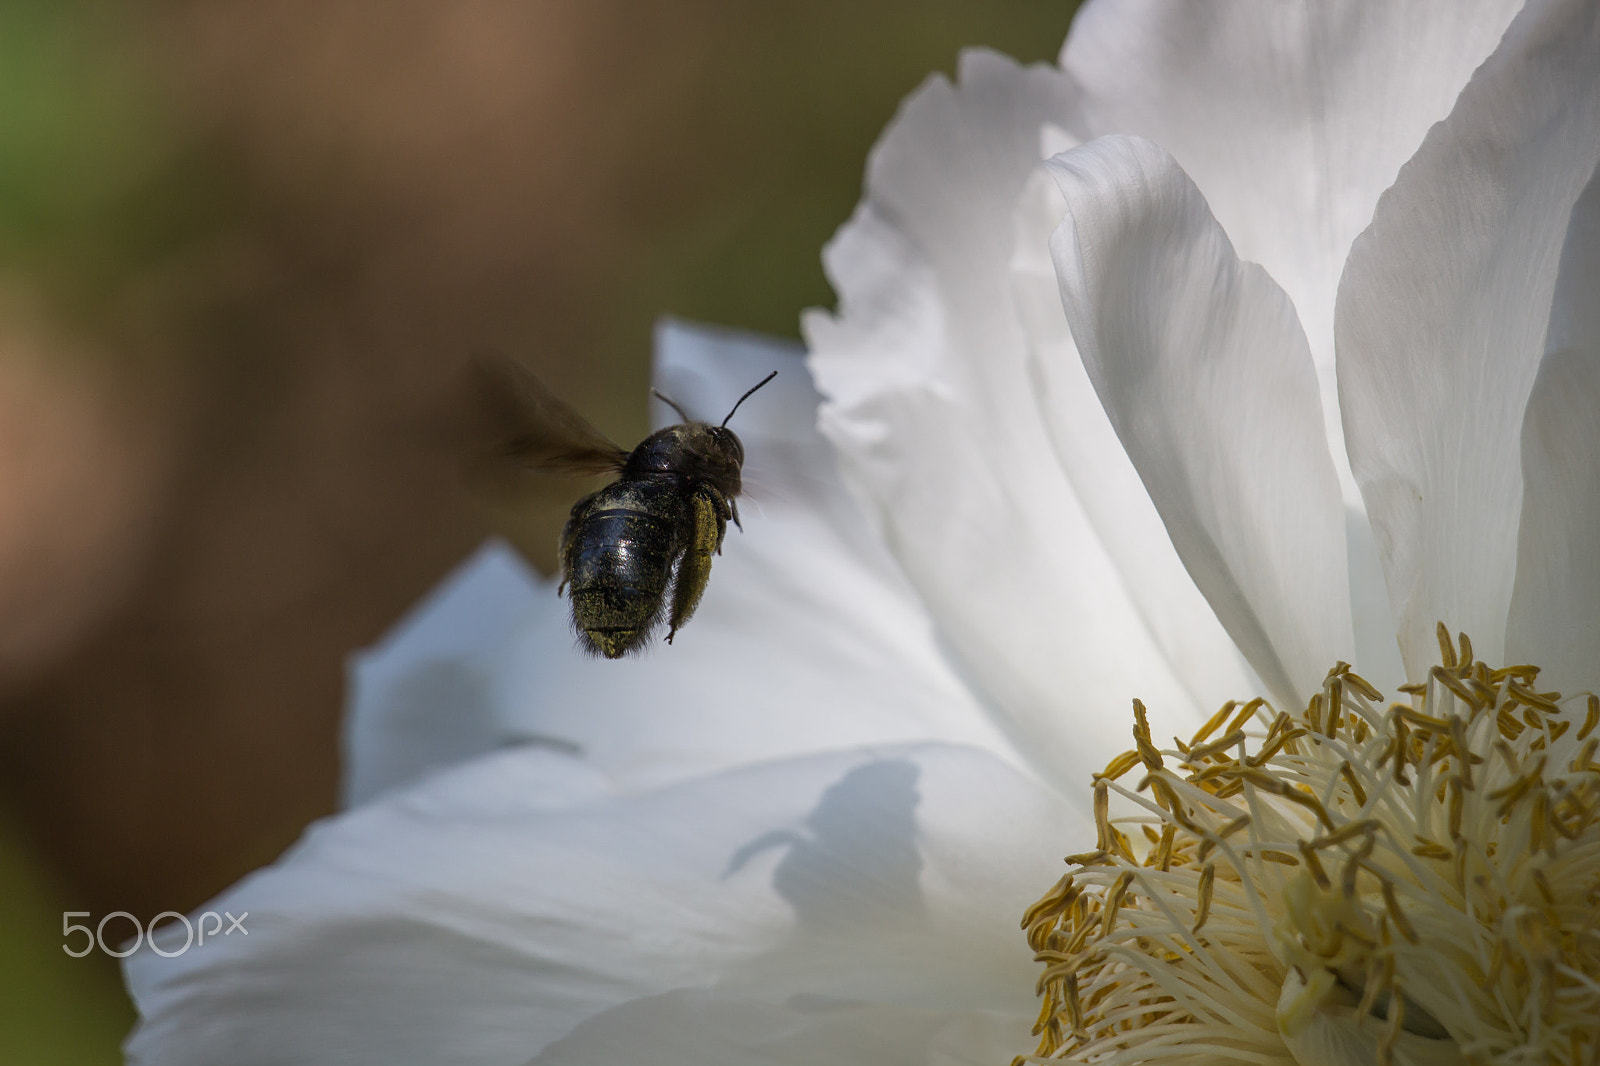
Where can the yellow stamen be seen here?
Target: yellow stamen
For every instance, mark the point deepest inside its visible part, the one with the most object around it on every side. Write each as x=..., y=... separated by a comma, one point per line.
x=1451, y=897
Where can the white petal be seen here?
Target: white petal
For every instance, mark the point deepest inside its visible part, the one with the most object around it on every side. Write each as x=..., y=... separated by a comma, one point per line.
x=420, y=698
x=1555, y=605
x=1291, y=118
x=459, y=921
x=708, y=1029
x=1114, y=499
x=932, y=409
x=1204, y=371
x=1441, y=321
x=808, y=637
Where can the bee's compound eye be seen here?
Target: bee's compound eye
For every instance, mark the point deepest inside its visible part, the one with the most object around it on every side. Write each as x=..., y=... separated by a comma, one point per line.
x=734, y=445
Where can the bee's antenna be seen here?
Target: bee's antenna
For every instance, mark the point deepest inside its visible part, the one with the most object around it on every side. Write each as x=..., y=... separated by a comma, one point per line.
x=672, y=405
x=746, y=396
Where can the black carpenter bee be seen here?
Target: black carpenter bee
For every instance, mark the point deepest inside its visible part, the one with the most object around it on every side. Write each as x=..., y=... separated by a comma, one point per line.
x=644, y=541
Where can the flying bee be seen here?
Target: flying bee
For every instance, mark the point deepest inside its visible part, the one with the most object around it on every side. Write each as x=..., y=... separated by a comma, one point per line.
x=638, y=551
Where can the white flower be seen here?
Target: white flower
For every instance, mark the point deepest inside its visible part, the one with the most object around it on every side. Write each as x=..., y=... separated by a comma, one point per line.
x=1093, y=410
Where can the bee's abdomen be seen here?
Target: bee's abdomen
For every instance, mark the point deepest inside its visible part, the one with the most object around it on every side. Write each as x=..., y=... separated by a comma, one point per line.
x=618, y=556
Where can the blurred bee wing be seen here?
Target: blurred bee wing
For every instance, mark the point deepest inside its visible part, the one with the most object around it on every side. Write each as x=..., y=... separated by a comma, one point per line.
x=523, y=423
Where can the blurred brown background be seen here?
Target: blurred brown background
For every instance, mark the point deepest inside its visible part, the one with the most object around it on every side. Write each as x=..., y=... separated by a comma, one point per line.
x=242, y=245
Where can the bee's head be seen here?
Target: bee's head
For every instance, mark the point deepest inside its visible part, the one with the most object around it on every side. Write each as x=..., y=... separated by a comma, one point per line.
x=722, y=454
x=695, y=450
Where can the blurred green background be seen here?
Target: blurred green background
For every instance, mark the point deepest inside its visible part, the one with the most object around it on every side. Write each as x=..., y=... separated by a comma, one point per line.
x=242, y=247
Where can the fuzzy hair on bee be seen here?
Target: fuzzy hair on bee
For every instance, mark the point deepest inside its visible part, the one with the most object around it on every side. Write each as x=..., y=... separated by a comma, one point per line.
x=637, y=552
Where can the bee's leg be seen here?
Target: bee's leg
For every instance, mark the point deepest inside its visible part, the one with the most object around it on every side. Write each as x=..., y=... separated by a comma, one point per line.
x=724, y=511
x=733, y=513
x=565, y=543
x=706, y=525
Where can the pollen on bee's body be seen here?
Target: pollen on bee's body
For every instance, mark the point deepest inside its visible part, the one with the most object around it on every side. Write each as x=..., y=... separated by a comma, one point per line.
x=1418, y=878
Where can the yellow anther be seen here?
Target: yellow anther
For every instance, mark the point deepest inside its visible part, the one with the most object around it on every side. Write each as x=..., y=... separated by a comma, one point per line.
x=1214, y=721
x=1349, y=776
x=1314, y=865
x=1201, y=752
x=1141, y=737
x=1447, y=647
x=1363, y=686
x=1456, y=686
x=1207, y=877
x=1591, y=717
x=1120, y=765
x=1245, y=713
x=1114, y=901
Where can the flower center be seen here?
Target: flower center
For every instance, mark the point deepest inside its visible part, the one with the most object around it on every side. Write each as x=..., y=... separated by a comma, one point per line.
x=1414, y=882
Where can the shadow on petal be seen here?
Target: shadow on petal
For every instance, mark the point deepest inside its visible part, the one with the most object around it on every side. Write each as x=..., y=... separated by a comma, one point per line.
x=856, y=860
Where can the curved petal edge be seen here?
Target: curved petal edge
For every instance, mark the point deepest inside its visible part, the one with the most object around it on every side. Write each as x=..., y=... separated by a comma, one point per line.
x=1204, y=370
